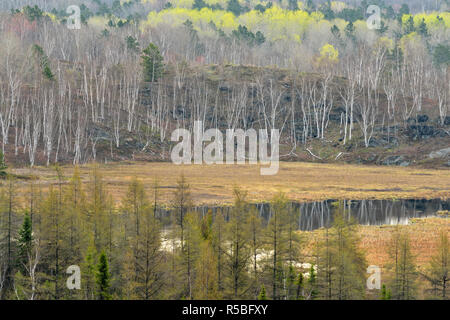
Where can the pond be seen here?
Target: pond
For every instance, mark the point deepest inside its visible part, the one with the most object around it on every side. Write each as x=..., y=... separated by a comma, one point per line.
x=314, y=215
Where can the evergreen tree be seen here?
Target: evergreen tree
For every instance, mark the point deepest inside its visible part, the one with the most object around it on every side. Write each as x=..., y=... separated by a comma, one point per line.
x=103, y=278
x=385, y=293
x=408, y=26
x=43, y=63
x=441, y=55
x=132, y=44
x=300, y=286
x=24, y=243
x=335, y=31
x=422, y=29
x=292, y=5
x=262, y=293
x=403, y=11
x=152, y=62
x=235, y=7
x=350, y=31
x=199, y=4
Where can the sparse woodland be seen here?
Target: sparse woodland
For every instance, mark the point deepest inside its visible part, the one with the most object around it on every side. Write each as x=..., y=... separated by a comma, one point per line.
x=127, y=250
x=137, y=70
x=313, y=71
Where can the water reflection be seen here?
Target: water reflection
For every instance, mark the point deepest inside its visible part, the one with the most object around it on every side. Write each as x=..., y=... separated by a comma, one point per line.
x=314, y=215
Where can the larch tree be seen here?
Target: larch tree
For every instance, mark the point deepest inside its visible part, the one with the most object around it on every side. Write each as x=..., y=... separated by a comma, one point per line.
x=438, y=273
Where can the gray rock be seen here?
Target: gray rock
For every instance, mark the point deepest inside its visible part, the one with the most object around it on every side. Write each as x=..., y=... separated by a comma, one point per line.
x=447, y=121
x=393, y=160
x=404, y=164
x=439, y=153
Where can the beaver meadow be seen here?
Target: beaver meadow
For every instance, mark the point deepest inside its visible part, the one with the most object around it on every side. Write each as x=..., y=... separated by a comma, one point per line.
x=150, y=231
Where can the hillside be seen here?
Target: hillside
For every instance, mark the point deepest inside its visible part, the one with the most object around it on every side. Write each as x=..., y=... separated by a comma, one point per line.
x=398, y=142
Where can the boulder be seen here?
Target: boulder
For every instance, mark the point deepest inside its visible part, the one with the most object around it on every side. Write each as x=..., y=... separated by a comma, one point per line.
x=439, y=153
x=422, y=118
x=393, y=160
x=447, y=121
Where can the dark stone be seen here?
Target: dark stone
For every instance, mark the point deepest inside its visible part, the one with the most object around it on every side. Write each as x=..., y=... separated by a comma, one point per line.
x=422, y=118
x=421, y=131
x=384, y=141
x=447, y=121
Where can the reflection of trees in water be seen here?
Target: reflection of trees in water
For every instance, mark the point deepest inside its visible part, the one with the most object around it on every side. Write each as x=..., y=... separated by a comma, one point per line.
x=313, y=215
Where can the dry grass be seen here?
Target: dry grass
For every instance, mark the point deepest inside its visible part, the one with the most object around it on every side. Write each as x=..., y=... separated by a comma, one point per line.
x=213, y=184
x=375, y=240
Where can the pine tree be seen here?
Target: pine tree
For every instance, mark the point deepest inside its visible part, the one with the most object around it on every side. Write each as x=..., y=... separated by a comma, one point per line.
x=103, y=278
x=350, y=31
x=132, y=44
x=152, y=62
x=422, y=29
x=262, y=293
x=43, y=63
x=408, y=27
x=292, y=5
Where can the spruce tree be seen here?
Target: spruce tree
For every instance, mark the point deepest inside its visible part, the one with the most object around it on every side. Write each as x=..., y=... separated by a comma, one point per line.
x=262, y=293
x=24, y=243
x=103, y=278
